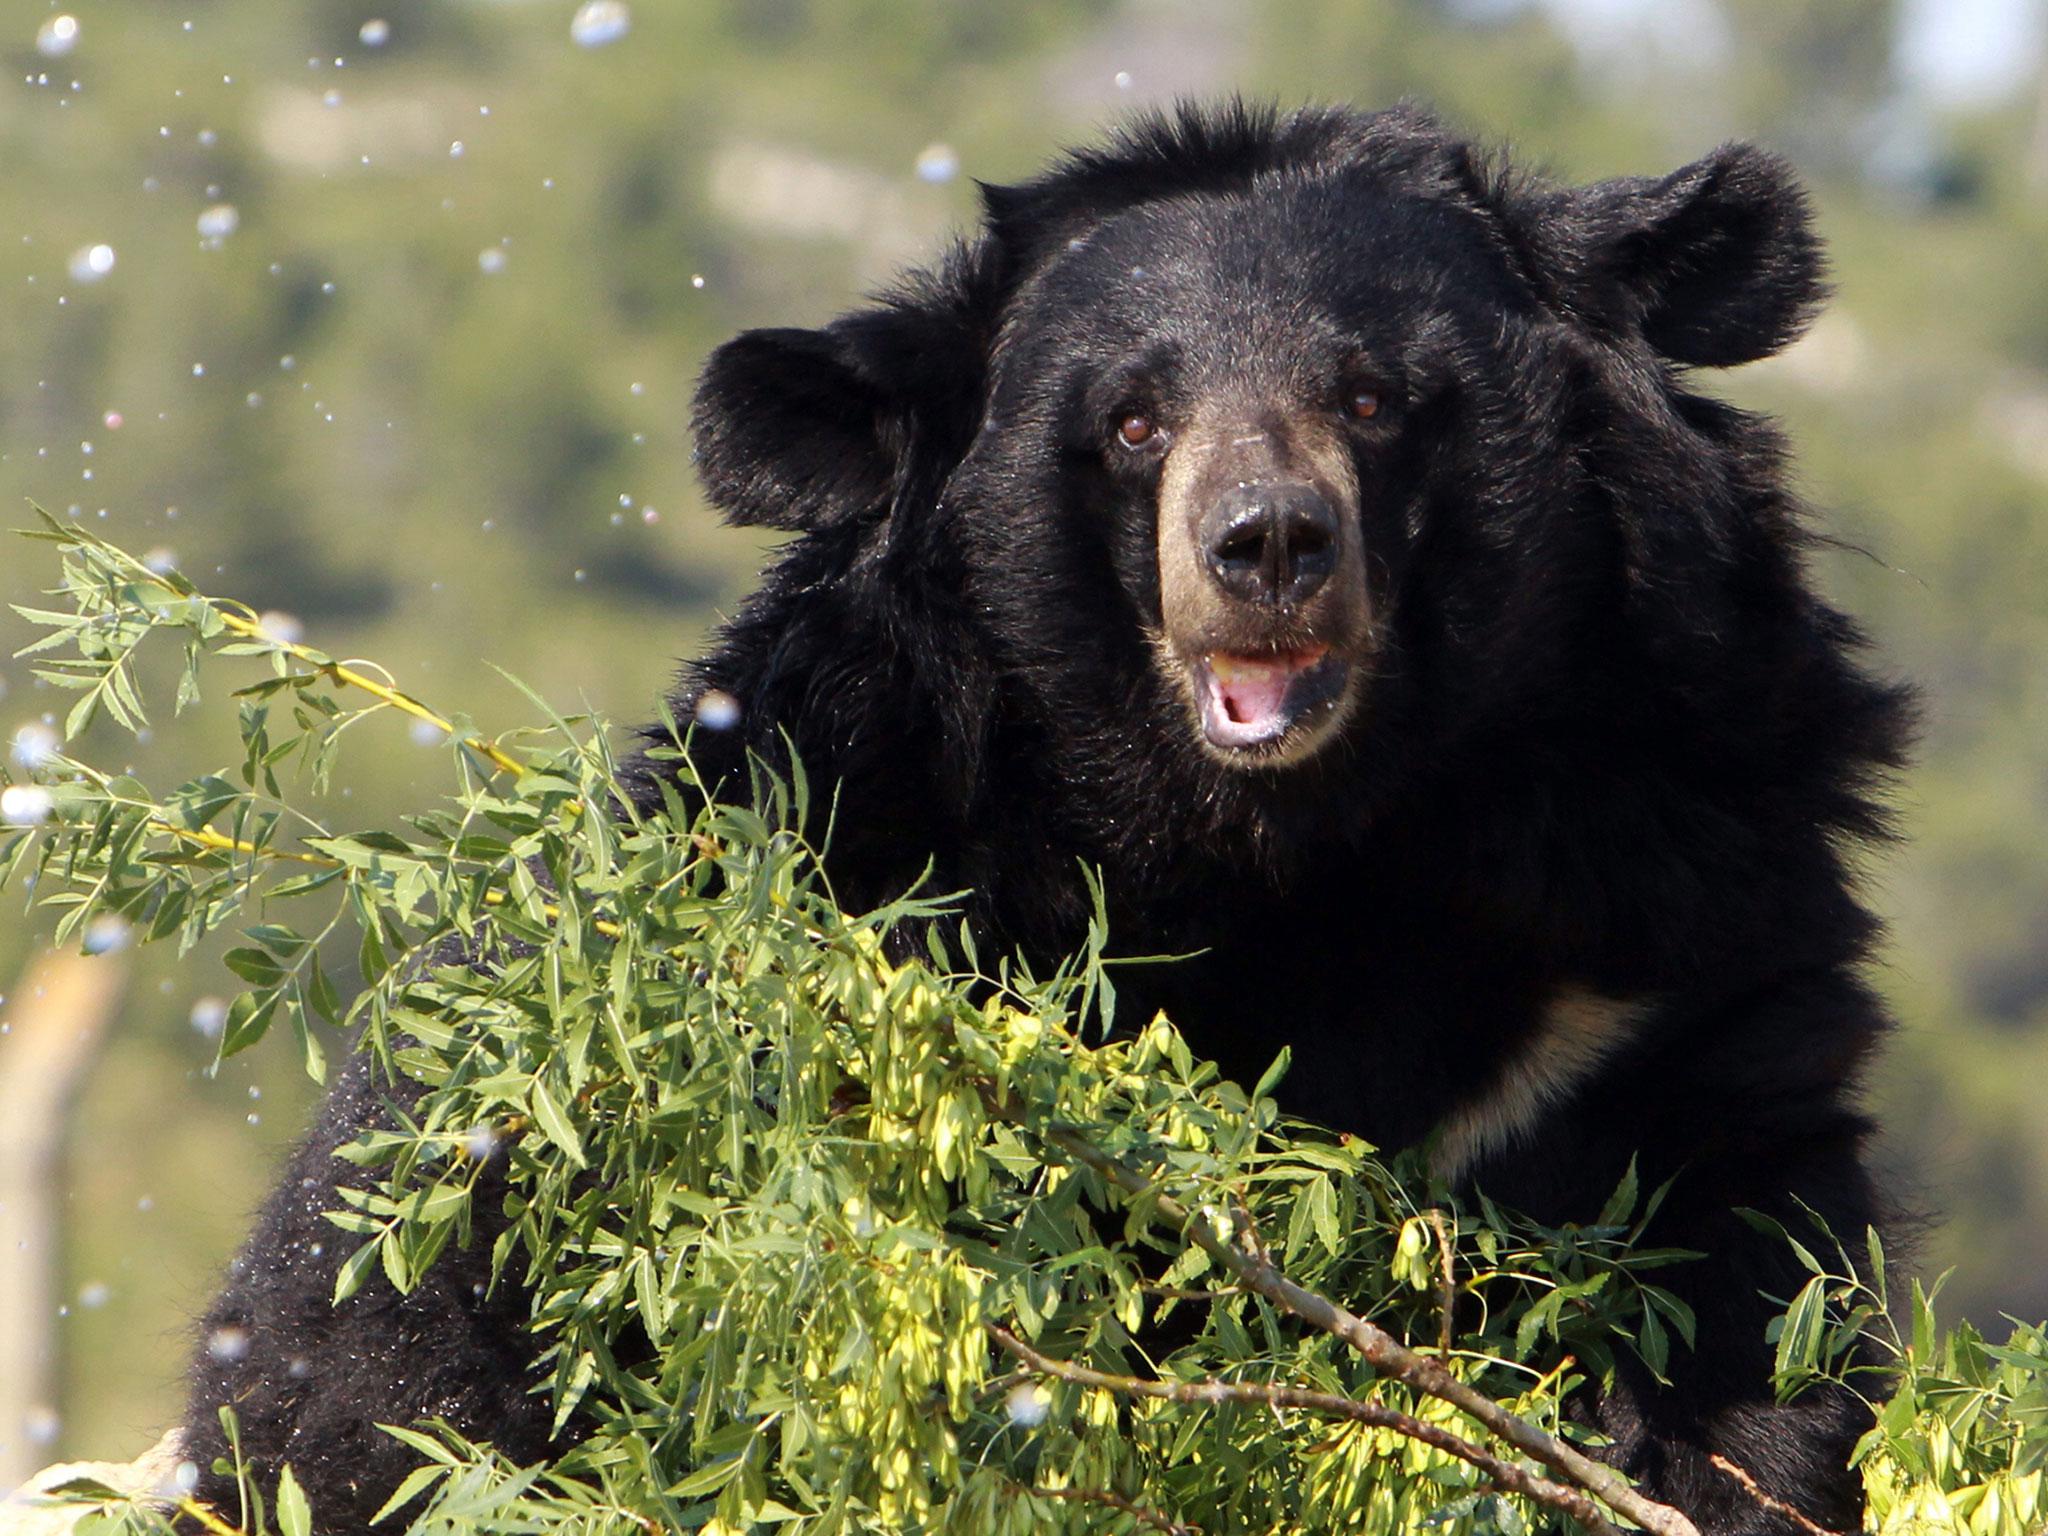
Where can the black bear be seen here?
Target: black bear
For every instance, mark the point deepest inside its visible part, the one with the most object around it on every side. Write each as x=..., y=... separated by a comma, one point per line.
x=1314, y=527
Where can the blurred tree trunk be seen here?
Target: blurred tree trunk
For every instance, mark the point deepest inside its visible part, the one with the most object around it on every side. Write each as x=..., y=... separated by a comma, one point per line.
x=59, y=1013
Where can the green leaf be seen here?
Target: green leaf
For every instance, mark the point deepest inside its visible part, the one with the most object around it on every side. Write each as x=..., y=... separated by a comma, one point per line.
x=1615, y=1212
x=547, y=1114
x=1799, y=1342
x=416, y=1482
x=254, y=966
x=1270, y=1078
x=355, y=1269
x=248, y=1019
x=294, y=1514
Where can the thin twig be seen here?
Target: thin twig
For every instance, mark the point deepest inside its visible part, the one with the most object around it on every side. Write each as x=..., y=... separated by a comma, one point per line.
x=1116, y=1501
x=206, y=837
x=341, y=672
x=1506, y=1474
x=205, y=1515
x=1775, y=1505
x=250, y=627
x=1447, y=1285
x=1190, y=1292
x=1382, y=1350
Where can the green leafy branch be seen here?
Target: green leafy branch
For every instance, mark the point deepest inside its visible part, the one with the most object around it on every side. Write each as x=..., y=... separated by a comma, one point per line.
x=829, y=1227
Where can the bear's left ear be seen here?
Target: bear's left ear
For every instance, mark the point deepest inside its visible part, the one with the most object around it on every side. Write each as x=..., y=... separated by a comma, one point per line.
x=1716, y=264
x=800, y=429
x=789, y=434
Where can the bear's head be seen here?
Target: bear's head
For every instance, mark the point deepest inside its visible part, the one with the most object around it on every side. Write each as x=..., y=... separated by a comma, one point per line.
x=1289, y=453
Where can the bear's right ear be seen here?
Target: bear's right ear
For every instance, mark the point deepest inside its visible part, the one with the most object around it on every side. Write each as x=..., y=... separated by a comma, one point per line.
x=1715, y=264
x=789, y=433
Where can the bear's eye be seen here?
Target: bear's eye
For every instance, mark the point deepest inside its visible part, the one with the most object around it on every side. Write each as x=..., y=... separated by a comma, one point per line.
x=1137, y=430
x=1364, y=403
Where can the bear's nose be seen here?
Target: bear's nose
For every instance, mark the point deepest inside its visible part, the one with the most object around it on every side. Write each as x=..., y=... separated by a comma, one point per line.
x=1270, y=542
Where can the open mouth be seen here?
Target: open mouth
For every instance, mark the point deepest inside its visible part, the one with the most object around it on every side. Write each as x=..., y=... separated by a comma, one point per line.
x=1253, y=701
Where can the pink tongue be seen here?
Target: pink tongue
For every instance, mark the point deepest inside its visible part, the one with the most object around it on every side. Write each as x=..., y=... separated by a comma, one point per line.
x=1255, y=695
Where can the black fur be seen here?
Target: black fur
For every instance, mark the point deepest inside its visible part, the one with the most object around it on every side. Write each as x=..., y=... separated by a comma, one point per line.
x=1611, y=740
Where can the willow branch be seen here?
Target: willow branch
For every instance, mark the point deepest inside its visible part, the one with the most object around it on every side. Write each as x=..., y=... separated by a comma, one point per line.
x=1447, y=1284
x=342, y=672
x=1116, y=1501
x=1504, y=1474
x=1776, y=1506
x=206, y=837
x=1382, y=1350
x=205, y=1515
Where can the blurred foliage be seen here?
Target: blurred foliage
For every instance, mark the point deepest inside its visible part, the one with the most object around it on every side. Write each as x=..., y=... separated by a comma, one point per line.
x=826, y=1243
x=429, y=396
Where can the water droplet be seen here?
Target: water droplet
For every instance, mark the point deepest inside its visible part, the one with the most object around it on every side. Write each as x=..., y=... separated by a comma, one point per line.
x=106, y=933
x=279, y=627
x=57, y=36
x=635, y=388
x=427, y=734
x=598, y=22
x=696, y=279
x=480, y=1143
x=93, y=1295
x=113, y=419
x=25, y=805
x=1027, y=1404
x=649, y=516
x=90, y=263
x=937, y=163
x=330, y=99
x=491, y=259
x=252, y=399
x=41, y=1424
x=375, y=32
x=1123, y=79
x=717, y=710
x=455, y=150
x=146, y=1204
x=219, y=221
x=199, y=370
x=33, y=746
x=228, y=1344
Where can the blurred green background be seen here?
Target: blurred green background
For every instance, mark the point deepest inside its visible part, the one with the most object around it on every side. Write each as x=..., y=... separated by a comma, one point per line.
x=400, y=303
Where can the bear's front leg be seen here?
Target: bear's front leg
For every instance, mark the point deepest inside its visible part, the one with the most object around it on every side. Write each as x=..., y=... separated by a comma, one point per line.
x=1749, y=1105
x=310, y=1381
